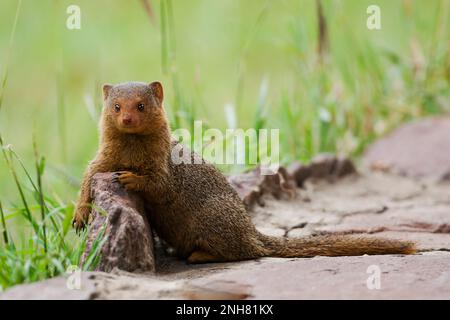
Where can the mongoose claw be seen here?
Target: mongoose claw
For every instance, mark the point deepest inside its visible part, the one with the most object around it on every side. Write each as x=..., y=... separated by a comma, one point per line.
x=129, y=180
x=116, y=175
x=80, y=220
x=79, y=226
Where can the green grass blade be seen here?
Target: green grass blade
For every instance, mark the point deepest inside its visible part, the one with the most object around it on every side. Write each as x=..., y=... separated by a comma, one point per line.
x=4, y=229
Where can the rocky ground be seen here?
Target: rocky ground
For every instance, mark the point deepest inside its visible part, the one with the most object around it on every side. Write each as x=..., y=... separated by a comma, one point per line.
x=414, y=207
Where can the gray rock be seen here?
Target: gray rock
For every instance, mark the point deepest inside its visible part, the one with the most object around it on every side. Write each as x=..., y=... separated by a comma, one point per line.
x=128, y=238
x=59, y=288
x=419, y=148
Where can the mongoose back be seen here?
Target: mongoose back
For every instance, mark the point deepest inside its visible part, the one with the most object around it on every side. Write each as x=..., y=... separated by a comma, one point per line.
x=192, y=206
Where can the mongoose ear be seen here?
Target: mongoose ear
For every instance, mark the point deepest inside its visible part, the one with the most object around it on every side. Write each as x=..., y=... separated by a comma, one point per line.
x=106, y=90
x=157, y=90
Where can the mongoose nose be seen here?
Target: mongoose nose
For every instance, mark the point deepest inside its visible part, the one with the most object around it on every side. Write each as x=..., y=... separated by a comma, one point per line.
x=126, y=120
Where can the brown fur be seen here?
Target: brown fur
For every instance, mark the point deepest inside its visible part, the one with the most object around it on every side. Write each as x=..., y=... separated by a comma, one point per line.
x=192, y=206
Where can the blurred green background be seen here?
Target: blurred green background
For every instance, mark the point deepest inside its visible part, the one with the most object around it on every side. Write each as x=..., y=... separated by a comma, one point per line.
x=224, y=52
x=261, y=57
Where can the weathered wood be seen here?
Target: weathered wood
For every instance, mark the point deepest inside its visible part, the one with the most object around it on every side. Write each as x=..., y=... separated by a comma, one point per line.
x=251, y=185
x=129, y=243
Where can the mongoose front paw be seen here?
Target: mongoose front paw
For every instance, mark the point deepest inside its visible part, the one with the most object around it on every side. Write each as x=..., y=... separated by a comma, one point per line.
x=129, y=180
x=81, y=218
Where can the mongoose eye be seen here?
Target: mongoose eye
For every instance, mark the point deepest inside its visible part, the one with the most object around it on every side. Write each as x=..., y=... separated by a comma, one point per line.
x=116, y=108
x=141, y=107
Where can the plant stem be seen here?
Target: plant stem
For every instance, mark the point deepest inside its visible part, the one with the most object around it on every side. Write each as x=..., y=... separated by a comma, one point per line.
x=40, y=191
x=5, y=231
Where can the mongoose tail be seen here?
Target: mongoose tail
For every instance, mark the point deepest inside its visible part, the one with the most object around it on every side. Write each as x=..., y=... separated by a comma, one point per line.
x=333, y=246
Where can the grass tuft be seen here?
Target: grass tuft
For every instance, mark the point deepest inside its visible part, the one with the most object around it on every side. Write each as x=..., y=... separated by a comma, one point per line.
x=43, y=249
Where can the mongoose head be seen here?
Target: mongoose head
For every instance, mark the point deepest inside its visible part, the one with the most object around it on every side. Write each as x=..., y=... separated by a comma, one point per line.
x=134, y=107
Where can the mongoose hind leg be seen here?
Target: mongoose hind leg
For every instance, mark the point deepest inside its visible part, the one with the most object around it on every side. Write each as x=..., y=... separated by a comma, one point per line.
x=200, y=256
